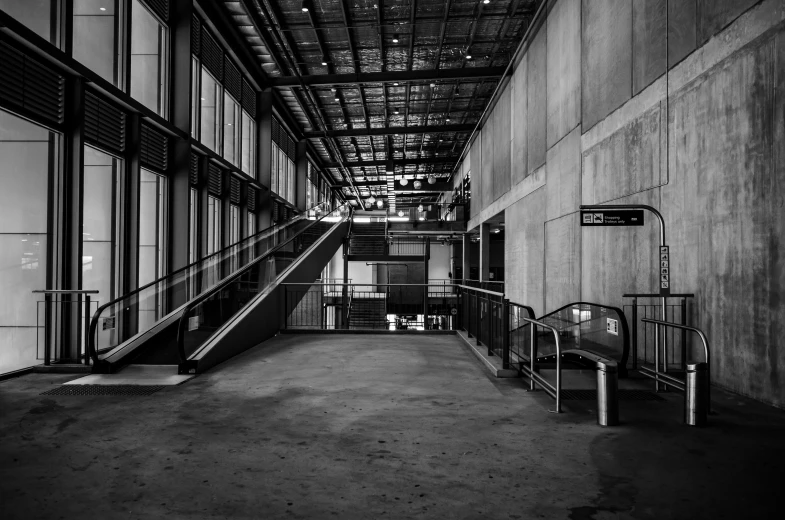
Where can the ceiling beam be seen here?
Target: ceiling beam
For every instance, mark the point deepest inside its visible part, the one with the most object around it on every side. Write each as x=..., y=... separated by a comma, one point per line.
x=397, y=162
x=396, y=130
x=389, y=76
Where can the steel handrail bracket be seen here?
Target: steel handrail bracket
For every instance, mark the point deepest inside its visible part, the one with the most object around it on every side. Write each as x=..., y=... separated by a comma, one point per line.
x=530, y=371
x=663, y=378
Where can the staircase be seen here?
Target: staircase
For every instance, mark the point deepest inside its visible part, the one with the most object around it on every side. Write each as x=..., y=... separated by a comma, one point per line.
x=367, y=314
x=368, y=239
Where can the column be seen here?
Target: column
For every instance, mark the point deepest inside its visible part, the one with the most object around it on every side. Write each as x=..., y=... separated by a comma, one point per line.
x=485, y=252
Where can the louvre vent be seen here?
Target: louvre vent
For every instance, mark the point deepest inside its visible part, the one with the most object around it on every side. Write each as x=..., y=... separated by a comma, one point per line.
x=276, y=212
x=196, y=40
x=234, y=190
x=249, y=99
x=154, y=152
x=282, y=139
x=252, y=194
x=212, y=56
x=159, y=7
x=193, y=174
x=232, y=79
x=104, y=123
x=291, y=149
x=215, y=182
x=30, y=85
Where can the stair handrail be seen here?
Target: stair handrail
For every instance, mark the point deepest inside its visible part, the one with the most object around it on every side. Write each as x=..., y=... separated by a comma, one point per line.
x=231, y=278
x=91, y=342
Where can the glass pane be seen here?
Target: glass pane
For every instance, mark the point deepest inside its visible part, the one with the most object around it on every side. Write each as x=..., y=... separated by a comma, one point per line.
x=194, y=96
x=37, y=15
x=274, y=170
x=148, y=58
x=234, y=236
x=25, y=170
x=152, y=245
x=208, y=114
x=249, y=145
x=95, y=38
x=231, y=130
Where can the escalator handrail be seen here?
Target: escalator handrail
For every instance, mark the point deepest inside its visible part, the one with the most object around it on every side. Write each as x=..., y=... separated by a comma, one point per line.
x=230, y=279
x=96, y=315
x=623, y=323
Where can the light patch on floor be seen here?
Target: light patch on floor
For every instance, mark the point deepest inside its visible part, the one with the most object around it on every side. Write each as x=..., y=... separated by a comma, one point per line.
x=155, y=375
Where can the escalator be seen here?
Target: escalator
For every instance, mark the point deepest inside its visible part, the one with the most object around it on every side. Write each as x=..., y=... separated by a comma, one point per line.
x=142, y=327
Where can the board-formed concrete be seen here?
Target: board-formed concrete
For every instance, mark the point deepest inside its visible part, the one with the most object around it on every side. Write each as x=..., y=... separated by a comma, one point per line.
x=345, y=426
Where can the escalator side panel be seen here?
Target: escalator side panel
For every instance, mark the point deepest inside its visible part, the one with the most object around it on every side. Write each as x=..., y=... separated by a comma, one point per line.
x=261, y=319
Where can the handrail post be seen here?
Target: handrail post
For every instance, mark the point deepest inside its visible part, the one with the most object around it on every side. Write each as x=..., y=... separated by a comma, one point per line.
x=635, y=333
x=505, y=333
x=558, y=371
x=477, y=317
x=532, y=355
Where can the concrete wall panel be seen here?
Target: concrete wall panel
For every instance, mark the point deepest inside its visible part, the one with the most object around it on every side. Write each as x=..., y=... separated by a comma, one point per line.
x=518, y=124
x=626, y=162
x=606, y=65
x=562, y=261
x=501, y=145
x=714, y=15
x=682, y=29
x=563, y=69
x=486, y=165
x=726, y=208
x=524, y=248
x=649, y=42
x=563, y=182
x=476, y=181
x=537, y=99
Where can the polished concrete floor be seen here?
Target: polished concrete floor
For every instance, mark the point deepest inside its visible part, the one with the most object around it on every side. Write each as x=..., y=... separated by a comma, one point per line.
x=343, y=426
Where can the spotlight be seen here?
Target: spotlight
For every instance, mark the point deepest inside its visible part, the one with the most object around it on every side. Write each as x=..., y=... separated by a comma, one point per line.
x=305, y=6
x=486, y=1
x=395, y=38
x=468, y=56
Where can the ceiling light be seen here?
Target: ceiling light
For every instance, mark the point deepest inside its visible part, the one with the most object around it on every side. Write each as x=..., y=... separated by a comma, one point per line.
x=486, y=1
x=397, y=111
x=417, y=185
x=395, y=84
x=102, y=8
x=371, y=199
x=337, y=100
x=448, y=119
x=404, y=181
x=395, y=38
x=305, y=8
x=379, y=204
x=400, y=212
x=419, y=208
x=422, y=218
x=468, y=56
x=333, y=89
x=324, y=61
x=431, y=179
x=433, y=85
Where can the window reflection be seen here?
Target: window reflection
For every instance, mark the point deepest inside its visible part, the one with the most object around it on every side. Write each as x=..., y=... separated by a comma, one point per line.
x=96, y=39
x=148, y=59
x=38, y=15
x=249, y=145
x=209, y=114
x=231, y=130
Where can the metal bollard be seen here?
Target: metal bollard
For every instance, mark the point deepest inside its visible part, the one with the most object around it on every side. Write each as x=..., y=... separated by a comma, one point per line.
x=696, y=395
x=607, y=394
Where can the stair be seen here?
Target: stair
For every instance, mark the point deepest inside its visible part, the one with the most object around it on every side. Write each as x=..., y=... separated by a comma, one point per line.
x=368, y=314
x=368, y=239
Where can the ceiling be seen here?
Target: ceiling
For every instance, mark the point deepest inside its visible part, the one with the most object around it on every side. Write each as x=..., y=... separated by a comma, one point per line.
x=374, y=80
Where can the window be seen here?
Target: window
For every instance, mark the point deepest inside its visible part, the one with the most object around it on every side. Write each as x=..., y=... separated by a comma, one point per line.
x=250, y=230
x=195, y=68
x=152, y=245
x=193, y=238
x=38, y=15
x=209, y=113
x=234, y=236
x=249, y=145
x=97, y=37
x=29, y=154
x=149, y=50
x=102, y=219
x=213, y=266
x=231, y=130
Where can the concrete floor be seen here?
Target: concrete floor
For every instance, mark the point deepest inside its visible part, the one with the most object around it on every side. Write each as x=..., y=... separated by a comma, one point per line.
x=345, y=426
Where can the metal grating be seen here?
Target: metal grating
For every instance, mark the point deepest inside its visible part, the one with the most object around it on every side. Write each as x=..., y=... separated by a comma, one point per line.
x=104, y=123
x=196, y=40
x=212, y=56
x=624, y=395
x=252, y=194
x=232, y=79
x=249, y=99
x=154, y=150
x=193, y=172
x=215, y=183
x=113, y=390
x=234, y=190
x=30, y=85
x=159, y=7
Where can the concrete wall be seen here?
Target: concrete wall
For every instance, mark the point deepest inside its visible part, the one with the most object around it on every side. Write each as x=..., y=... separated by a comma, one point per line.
x=593, y=118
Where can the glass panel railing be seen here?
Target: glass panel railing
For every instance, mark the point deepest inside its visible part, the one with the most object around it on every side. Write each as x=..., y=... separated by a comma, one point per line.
x=210, y=311
x=123, y=318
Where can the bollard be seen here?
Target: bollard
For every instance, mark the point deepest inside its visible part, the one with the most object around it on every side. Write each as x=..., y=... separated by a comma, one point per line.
x=696, y=395
x=607, y=394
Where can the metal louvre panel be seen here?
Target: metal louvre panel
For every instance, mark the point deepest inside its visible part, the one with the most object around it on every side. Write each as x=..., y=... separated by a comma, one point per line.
x=252, y=194
x=291, y=149
x=215, y=184
x=249, y=99
x=154, y=150
x=31, y=85
x=212, y=56
x=232, y=79
x=276, y=212
x=159, y=7
x=193, y=173
x=196, y=40
x=234, y=190
x=104, y=123
x=276, y=131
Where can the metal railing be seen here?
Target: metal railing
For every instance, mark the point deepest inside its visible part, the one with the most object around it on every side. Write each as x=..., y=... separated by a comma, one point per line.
x=665, y=379
x=52, y=314
x=531, y=370
x=487, y=285
x=483, y=315
x=642, y=334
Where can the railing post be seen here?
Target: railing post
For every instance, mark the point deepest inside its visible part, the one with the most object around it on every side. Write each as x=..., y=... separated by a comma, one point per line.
x=86, y=332
x=47, y=339
x=505, y=333
x=532, y=355
x=635, y=333
x=477, y=317
x=683, y=334
x=488, y=330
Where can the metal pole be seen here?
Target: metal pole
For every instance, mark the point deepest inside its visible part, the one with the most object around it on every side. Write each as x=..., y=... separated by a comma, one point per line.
x=607, y=395
x=532, y=354
x=47, y=342
x=558, y=373
x=635, y=333
x=477, y=317
x=86, y=331
x=657, y=357
x=683, y=334
x=505, y=333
